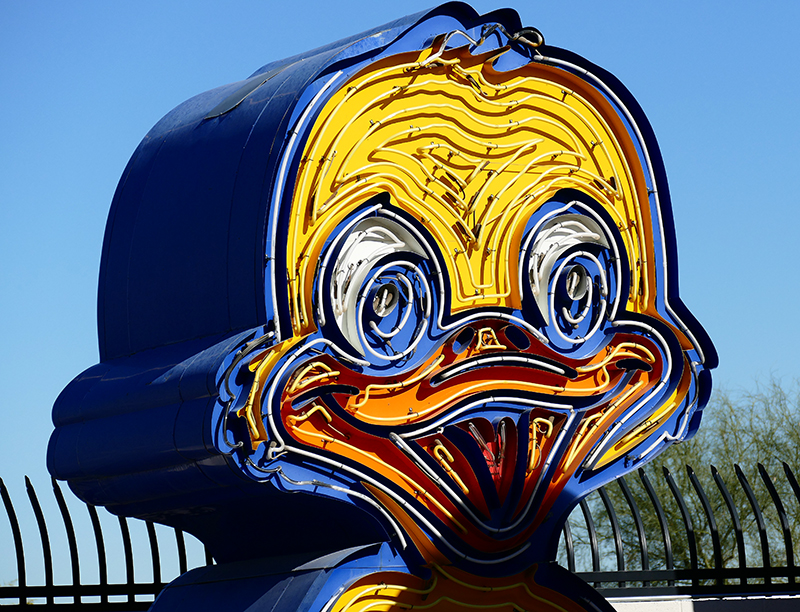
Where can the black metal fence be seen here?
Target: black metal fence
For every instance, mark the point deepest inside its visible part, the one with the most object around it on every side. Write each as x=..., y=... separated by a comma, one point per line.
x=658, y=533
x=652, y=533
x=103, y=593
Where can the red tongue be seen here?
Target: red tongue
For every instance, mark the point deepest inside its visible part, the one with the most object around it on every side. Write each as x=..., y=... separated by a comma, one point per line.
x=499, y=448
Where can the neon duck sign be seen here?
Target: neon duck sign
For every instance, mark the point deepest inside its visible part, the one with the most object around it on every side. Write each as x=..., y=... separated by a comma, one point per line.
x=468, y=315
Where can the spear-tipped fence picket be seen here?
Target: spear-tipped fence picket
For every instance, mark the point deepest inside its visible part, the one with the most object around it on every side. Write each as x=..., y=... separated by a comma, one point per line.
x=645, y=548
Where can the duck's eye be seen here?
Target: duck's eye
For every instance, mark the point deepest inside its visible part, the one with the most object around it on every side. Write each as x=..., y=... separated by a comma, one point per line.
x=570, y=275
x=380, y=299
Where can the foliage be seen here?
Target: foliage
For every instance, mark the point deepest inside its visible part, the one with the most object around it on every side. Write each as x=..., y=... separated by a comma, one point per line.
x=742, y=429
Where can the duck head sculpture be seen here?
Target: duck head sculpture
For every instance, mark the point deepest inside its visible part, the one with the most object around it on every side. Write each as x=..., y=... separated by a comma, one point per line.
x=459, y=244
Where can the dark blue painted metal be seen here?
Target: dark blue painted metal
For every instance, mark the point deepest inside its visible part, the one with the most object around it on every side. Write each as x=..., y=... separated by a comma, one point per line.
x=200, y=259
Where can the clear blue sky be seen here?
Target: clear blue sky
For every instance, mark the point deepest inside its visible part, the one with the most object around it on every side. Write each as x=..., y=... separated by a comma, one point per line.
x=82, y=82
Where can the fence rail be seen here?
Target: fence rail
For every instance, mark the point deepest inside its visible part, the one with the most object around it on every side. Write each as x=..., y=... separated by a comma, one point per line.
x=652, y=533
